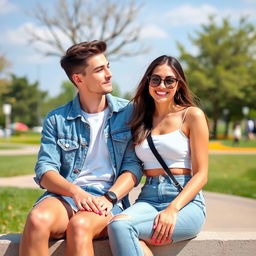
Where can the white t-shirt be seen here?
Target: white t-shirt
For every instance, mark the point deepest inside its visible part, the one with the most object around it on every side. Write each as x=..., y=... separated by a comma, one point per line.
x=97, y=169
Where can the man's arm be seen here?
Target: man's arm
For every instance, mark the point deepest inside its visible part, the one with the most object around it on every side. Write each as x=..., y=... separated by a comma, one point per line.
x=124, y=184
x=48, y=170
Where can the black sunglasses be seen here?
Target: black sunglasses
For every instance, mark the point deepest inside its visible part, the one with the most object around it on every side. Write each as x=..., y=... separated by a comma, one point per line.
x=169, y=81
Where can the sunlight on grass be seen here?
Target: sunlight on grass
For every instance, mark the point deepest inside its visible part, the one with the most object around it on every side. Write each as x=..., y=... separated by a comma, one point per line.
x=14, y=207
x=17, y=165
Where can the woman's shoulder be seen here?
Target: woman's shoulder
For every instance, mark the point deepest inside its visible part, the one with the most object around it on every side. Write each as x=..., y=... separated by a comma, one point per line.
x=193, y=113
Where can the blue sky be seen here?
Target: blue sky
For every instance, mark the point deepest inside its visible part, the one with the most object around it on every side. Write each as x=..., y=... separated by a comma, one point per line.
x=163, y=22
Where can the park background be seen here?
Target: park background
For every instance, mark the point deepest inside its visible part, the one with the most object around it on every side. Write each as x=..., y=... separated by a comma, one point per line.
x=214, y=40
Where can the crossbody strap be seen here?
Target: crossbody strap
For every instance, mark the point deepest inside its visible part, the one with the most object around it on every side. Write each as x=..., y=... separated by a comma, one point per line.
x=162, y=162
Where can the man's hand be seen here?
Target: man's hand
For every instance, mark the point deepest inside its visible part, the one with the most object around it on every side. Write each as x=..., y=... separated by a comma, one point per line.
x=88, y=202
x=106, y=205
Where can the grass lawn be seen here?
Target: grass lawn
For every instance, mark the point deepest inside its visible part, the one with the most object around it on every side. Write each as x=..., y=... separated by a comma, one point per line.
x=232, y=174
x=27, y=138
x=17, y=165
x=14, y=207
x=8, y=146
x=242, y=143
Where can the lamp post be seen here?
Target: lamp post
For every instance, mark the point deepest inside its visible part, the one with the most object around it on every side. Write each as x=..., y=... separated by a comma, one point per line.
x=7, y=109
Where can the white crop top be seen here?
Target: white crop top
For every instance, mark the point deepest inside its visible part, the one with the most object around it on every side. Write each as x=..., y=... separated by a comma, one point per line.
x=173, y=147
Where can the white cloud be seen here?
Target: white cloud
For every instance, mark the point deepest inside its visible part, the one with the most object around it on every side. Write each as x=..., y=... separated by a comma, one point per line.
x=17, y=36
x=6, y=7
x=235, y=14
x=191, y=15
x=153, y=31
x=20, y=36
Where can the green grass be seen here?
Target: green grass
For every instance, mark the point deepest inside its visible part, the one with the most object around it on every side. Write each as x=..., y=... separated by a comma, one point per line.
x=232, y=174
x=17, y=165
x=8, y=146
x=242, y=143
x=26, y=138
x=14, y=207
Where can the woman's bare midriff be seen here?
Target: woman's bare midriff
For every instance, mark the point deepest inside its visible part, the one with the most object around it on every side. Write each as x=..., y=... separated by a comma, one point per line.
x=160, y=171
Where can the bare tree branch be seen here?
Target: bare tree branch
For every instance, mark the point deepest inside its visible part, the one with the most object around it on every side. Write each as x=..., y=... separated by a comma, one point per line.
x=75, y=21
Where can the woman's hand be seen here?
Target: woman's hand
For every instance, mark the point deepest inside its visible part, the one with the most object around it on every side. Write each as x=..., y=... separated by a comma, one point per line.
x=164, y=225
x=88, y=202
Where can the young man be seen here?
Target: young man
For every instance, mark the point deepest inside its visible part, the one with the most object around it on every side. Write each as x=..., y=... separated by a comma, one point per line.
x=86, y=161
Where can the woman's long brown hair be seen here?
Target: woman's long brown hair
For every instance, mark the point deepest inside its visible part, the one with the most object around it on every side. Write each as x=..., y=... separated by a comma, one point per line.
x=144, y=106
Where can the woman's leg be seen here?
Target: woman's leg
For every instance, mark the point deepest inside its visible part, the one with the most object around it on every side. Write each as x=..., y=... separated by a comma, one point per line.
x=126, y=229
x=189, y=223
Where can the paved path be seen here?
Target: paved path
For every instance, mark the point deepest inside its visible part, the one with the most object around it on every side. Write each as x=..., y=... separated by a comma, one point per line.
x=22, y=149
x=224, y=212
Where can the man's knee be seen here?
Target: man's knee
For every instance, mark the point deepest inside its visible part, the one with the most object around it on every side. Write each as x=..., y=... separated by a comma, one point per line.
x=39, y=220
x=80, y=225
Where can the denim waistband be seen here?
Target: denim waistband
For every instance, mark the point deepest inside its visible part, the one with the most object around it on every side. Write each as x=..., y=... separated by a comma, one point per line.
x=166, y=178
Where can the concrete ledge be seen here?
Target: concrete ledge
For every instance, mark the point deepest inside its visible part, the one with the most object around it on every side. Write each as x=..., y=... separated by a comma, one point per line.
x=206, y=243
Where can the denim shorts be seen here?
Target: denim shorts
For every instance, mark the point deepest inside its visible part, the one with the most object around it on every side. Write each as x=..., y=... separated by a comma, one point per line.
x=90, y=189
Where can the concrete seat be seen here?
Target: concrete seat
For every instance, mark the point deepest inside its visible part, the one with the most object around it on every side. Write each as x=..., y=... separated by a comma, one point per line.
x=205, y=244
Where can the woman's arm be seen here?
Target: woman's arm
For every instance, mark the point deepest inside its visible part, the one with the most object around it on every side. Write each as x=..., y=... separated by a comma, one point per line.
x=199, y=139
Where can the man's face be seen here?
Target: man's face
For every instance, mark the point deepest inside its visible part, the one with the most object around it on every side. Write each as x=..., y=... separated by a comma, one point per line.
x=97, y=76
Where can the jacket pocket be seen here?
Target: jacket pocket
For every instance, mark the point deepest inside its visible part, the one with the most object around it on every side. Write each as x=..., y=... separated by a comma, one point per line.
x=120, y=140
x=68, y=151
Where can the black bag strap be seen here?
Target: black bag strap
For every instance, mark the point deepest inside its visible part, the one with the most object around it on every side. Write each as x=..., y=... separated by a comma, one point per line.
x=162, y=162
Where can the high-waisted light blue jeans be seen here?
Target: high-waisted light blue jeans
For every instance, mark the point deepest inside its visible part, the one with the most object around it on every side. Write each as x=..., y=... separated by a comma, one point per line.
x=156, y=195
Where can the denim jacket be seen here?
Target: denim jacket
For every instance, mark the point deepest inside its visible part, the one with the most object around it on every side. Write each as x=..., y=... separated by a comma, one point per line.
x=66, y=137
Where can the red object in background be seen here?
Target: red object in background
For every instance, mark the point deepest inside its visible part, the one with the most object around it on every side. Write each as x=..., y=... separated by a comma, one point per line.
x=19, y=126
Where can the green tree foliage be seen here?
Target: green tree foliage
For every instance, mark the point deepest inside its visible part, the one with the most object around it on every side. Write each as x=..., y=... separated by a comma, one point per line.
x=222, y=72
x=4, y=65
x=25, y=99
x=116, y=91
x=67, y=93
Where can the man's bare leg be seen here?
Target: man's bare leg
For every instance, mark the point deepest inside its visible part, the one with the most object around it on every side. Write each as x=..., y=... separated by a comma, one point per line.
x=83, y=227
x=47, y=219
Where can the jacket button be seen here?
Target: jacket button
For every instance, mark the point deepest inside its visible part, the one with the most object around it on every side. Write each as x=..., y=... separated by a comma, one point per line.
x=76, y=171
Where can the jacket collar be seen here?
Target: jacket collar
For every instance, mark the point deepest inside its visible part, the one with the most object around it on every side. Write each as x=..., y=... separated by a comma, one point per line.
x=75, y=110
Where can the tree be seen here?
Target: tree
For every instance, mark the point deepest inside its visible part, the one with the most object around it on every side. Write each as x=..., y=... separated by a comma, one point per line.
x=4, y=65
x=222, y=71
x=85, y=20
x=67, y=93
x=25, y=99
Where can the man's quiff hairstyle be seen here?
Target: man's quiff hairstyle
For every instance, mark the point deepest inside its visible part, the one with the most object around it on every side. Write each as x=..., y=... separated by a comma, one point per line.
x=75, y=59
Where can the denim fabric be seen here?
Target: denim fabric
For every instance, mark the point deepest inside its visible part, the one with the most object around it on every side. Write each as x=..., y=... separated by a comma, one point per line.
x=90, y=189
x=156, y=195
x=66, y=138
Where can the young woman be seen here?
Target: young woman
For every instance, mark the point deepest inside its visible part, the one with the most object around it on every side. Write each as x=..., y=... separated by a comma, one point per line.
x=163, y=106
